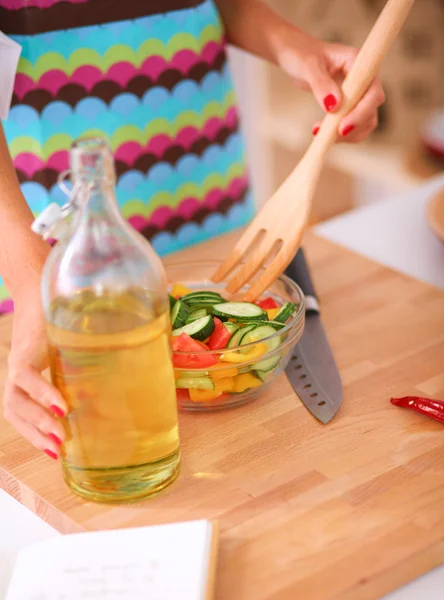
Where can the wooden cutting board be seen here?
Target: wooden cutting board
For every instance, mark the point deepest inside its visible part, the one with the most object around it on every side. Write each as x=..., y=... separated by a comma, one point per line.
x=347, y=511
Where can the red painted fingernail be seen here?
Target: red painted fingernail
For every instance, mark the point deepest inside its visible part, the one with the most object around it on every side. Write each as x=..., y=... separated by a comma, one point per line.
x=315, y=130
x=55, y=438
x=57, y=410
x=51, y=454
x=348, y=129
x=330, y=102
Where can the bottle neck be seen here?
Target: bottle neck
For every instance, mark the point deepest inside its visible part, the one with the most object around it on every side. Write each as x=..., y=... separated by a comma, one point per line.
x=93, y=176
x=97, y=232
x=96, y=199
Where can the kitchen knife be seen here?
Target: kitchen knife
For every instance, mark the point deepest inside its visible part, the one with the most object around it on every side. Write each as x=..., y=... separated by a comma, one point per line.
x=312, y=369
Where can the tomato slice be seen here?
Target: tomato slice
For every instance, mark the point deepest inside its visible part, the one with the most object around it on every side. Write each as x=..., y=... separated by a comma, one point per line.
x=193, y=361
x=267, y=303
x=185, y=343
x=220, y=336
x=203, y=345
x=182, y=395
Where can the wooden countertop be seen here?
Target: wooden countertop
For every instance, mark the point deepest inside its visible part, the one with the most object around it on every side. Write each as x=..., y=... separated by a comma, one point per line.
x=347, y=511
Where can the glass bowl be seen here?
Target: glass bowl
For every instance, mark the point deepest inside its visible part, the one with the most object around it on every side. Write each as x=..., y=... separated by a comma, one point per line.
x=245, y=370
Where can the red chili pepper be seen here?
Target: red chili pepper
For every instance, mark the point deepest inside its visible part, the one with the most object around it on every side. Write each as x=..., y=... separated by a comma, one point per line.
x=425, y=406
x=267, y=303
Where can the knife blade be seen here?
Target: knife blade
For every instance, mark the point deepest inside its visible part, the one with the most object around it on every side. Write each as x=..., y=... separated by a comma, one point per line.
x=312, y=369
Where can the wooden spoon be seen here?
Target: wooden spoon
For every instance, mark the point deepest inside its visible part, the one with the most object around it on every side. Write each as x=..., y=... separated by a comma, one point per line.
x=276, y=232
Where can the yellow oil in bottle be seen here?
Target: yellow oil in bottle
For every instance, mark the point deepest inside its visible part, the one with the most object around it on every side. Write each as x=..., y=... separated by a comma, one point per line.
x=110, y=358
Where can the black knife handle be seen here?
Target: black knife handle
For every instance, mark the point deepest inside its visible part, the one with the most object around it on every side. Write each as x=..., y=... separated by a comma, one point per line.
x=299, y=272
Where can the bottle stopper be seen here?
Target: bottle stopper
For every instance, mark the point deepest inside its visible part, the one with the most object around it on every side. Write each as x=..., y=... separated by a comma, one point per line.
x=48, y=220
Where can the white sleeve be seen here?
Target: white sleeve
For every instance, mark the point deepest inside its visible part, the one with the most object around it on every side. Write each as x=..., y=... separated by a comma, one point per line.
x=9, y=56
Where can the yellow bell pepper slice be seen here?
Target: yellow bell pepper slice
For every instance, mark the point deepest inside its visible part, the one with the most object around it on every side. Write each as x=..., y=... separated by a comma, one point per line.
x=246, y=355
x=272, y=312
x=245, y=381
x=179, y=290
x=224, y=385
x=220, y=386
x=232, y=372
x=203, y=395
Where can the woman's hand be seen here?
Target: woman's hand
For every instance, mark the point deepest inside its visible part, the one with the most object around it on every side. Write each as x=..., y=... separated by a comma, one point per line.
x=313, y=64
x=30, y=402
x=322, y=67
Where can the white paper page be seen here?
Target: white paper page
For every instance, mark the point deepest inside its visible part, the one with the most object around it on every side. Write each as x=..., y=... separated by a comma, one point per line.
x=165, y=562
x=9, y=56
x=19, y=528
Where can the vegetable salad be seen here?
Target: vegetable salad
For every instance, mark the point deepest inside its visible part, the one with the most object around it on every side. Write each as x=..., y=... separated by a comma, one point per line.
x=204, y=320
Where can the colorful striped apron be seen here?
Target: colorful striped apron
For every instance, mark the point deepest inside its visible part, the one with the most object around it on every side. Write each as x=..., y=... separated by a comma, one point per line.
x=155, y=82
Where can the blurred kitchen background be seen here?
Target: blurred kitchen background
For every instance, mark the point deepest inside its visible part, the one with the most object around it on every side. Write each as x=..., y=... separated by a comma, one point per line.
x=408, y=146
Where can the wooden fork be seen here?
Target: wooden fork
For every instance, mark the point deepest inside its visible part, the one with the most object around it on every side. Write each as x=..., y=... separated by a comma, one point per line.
x=276, y=232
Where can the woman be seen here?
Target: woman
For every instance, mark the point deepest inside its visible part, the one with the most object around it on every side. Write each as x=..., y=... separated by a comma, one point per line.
x=155, y=81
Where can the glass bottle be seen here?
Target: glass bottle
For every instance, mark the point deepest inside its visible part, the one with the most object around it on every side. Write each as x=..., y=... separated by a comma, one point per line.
x=105, y=301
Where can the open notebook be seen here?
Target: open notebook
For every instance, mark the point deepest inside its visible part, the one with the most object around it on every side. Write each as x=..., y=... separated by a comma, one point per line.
x=161, y=562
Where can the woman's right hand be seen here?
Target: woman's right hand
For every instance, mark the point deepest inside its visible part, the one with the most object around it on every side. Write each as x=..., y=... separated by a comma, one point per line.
x=32, y=404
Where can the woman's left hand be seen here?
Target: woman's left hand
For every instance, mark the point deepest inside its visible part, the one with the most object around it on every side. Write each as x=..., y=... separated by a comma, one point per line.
x=322, y=67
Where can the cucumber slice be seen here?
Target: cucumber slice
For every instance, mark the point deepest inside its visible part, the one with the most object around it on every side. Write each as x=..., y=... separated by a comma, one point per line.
x=199, y=300
x=232, y=327
x=196, y=314
x=268, y=365
x=285, y=312
x=241, y=311
x=197, y=383
x=203, y=294
x=208, y=306
x=262, y=375
x=261, y=333
x=179, y=314
x=193, y=374
x=276, y=325
x=200, y=329
x=237, y=336
x=196, y=299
